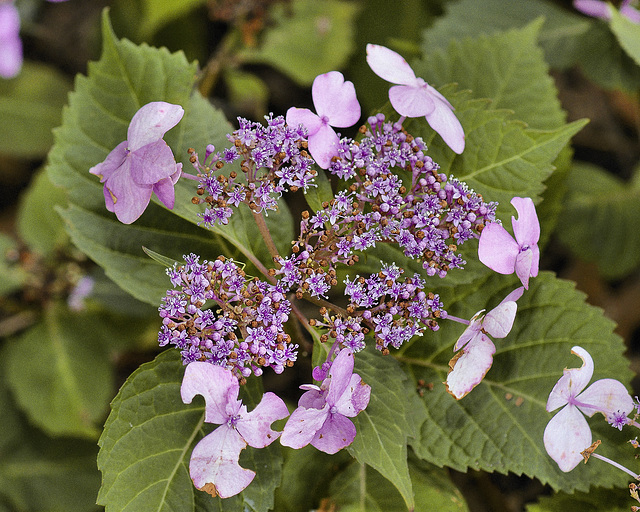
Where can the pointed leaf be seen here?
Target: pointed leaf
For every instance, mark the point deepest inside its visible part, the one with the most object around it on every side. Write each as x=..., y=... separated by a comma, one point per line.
x=627, y=32
x=499, y=425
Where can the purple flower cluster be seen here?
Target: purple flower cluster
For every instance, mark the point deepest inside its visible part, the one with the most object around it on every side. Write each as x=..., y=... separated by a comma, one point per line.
x=430, y=217
x=274, y=157
x=243, y=331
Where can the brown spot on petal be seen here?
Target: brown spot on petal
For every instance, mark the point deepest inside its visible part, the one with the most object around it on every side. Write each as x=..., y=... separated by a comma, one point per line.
x=209, y=488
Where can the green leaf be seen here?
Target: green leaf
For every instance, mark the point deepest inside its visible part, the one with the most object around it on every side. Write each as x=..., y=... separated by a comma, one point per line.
x=597, y=500
x=146, y=446
x=326, y=28
x=359, y=487
x=30, y=107
x=66, y=388
x=157, y=13
x=508, y=68
x=559, y=36
x=390, y=418
x=502, y=158
x=12, y=275
x=600, y=218
x=247, y=92
x=38, y=223
x=499, y=425
x=627, y=32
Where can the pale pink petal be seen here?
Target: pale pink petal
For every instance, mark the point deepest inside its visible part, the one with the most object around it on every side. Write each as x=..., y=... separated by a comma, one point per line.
x=151, y=122
x=595, y=8
x=572, y=382
x=110, y=164
x=214, y=461
x=340, y=375
x=389, y=65
x=631, y=13
x=411, y=101
x=473, y=330
x=129, y=199
x=313, y=398
x=215, y=383
x=446, y=124
x=10, y=43
x=526, y=228
x=302, y=426
x=152, y=163
x=606, y=396
x=514, y=295
x=355, y=398
x=304, y=116
x=524, y=264
x=335, y=99
x=255, y=426
x=470, y=368
x=566, y=435
x=438, y=96
x=323, y=145
x=337, y=433
x=497, y=249
x=176, y=175
x=109, y=199
x=165, y=191
x=499, y=321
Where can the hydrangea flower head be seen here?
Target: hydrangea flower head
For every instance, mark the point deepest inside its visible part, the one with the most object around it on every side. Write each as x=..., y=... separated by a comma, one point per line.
x=141, y=165
x=413, y=97
x=10, y=43
x=214, y=464
x=600, y=9
x=500, y=252
x=336, y=105
x=322, y=414
x=568, y=433
x=469, y=366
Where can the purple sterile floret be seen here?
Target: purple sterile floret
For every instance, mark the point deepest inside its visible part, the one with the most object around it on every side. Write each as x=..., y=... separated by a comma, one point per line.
x=321, y=418
x=601, y=9
x=500, y=252
x=413, y=97
x=568, y=434
x=143, y=164
x=475, y=357
x=214, y=466
x=336, y=105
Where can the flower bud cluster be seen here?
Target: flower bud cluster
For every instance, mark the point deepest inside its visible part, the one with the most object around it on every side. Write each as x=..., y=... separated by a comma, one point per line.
x=394, y=309
x=244, y=328
x=430, y=217
x=274, y=157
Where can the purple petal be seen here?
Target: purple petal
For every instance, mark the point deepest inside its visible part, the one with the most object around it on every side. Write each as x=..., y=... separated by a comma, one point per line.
x=110, y=164
x=524, y=266
x=340, y=375
x=323, y=145
x=572, y=382
x=152, y=163
x=302, y=426
x=390, y=65
x=526, y=228
x=595, y=8
x=335, y=99
x=214, y=462
x=337, y=433
x=216, y=384
x=468, y=369
x=151, y=122
x=446, y=124
x=255, y=427
x=129, y=199
x=313, y=399
x=606, y=396
x=355, y=399
x=499, y=321
x=497, y=249
x=472, y=330
x=631, y=13
x=566, y=435
x=411, y=101
x=10, y=43
x=514, y=295
x=304, y=116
